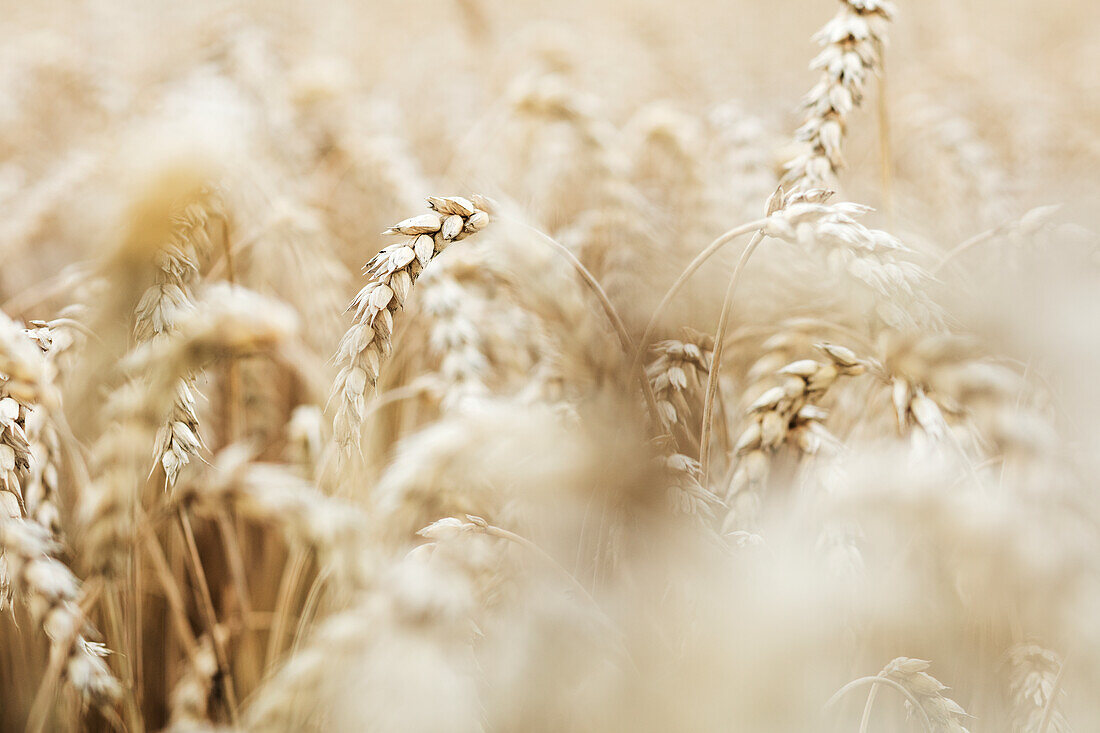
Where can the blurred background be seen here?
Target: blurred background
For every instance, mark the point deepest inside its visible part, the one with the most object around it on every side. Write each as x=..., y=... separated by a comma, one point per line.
x=634, y=132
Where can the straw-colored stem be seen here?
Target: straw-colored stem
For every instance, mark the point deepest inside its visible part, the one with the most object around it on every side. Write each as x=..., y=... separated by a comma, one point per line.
x=690, y=270
x=309, y=608
x=134, y=720
x=964, y=246
x=716, y=358
x=234, y=415
x=207, y=606
x=609, y=311
x=590, y=280
x=172, y=592
x=877, y=680
x=138, y=642
x=234, y=556
x=292, y=572
x=504, y=534
x=886, y=161
x=866, y=719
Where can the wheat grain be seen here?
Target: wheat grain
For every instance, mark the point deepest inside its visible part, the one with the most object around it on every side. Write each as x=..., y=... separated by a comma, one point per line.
x=677, y=369
x=944, y=712
x=159, y=312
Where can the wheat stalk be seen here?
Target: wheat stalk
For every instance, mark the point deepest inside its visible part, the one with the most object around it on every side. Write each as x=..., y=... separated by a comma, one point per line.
x=923, y=695
x=270, y=494
x=190, y=697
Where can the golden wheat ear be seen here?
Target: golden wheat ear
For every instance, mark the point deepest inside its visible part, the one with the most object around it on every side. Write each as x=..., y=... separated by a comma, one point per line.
x=392, y=273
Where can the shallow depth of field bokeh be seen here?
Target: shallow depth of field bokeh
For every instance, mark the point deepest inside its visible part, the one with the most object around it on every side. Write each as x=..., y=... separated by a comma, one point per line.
x=493, y=365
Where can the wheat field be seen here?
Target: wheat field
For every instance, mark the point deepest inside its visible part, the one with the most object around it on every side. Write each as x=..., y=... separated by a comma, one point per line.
x=492, y=365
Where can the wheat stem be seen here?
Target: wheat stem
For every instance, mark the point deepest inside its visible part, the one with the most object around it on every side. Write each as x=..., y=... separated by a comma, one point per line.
x=716, y=360
x=702, y=257
x=292, y=572
x=886, y=161
x=877, y=680
x=865, y=720
x=207, y=606
x=115, y=622
x=609, y=310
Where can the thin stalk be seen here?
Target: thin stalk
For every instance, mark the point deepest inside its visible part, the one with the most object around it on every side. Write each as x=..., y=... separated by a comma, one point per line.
x=215, y=270
x=395, y=394
x=690, y=270
x=716, y=358
x=500, y=533
x=138, y=644
x=134, y=720
x=866, y=719
x=885, y=156
x=292, y=572
x=876, y=680
x=309, y=608
x=964, y=246
x=207, y=605
x=234, y=415
x=43, y=291
x=234, y=429
x=609, y=311
x=590, y=280
x=232, y=543
x=542, y=554
x=172, y=593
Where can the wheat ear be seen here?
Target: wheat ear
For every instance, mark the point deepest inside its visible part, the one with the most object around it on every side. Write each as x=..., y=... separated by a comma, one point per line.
x=852, y=44
x=785, y=413
x=392, y=273
x=30, y=549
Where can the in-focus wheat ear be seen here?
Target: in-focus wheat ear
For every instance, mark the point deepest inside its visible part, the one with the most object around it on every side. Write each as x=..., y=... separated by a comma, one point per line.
x=852, y=44
x=392, y=273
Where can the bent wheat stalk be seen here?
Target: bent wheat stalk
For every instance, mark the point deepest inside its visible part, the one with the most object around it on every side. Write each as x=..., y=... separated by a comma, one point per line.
x=1027, y=225
x=609, y=310
x=684, y=276
x=874, y=681
x=716, y=361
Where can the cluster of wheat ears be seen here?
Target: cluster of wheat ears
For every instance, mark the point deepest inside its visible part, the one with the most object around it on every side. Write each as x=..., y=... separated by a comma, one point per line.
x=642, y=426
